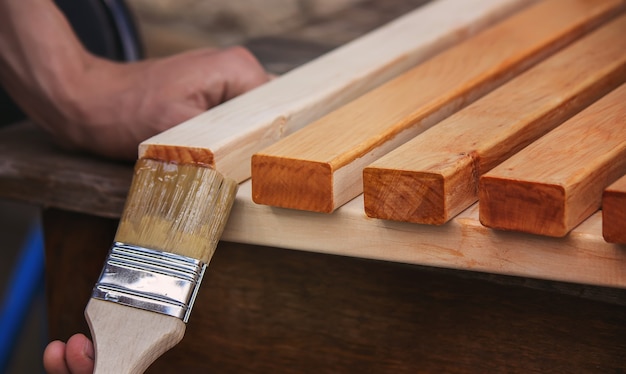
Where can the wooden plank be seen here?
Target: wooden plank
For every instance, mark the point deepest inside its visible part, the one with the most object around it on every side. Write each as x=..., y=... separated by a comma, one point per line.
x=556, y=182
x=291, y=312
x=319, y=168
x=225, y=137
x=433, y=177
x=614, y=212
x=98, y=189
x=463, y=243
x=34, y=169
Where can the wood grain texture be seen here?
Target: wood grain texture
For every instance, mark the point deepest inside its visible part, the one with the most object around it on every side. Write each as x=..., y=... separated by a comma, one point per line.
x=463, y=243
x=270, y=310
x=320, y=167
x=369, y=238
x=614, y=212
x=129, y=339
x=226, y=136
x=73, y=238
x=556, y=182
x=267, y=310
x=35, y=170
x=433, y=177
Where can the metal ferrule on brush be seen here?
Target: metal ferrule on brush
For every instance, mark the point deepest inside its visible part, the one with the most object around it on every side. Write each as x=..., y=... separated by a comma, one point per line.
x=152, y=280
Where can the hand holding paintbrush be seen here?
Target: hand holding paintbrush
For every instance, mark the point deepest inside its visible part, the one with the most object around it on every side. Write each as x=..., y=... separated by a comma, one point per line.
x=171, y=224
x=104, y=107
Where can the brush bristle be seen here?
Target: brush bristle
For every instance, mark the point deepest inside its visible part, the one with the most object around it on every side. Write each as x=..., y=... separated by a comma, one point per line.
x=176, y=208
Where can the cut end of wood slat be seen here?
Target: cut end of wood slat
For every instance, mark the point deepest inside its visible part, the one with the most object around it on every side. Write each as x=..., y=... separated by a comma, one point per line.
x=294, y=184
x=523, y=206
x=432, y=194
x=178, y=154
x=399, y=196
x=614, y=212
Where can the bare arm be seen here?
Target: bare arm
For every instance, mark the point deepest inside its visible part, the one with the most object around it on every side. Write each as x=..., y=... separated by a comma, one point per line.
x=102, y=106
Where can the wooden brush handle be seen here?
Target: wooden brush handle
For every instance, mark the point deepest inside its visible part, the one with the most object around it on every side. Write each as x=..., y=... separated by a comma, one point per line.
x=128, y=340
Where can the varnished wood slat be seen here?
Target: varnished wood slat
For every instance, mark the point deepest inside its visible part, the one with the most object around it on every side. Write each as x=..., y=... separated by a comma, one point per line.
x=226, y=136
x=34, y=170
x=463, y=243
x=437, y=246
x=556, y=182
x=614, y=212
x=433, y=177
x=319, y=168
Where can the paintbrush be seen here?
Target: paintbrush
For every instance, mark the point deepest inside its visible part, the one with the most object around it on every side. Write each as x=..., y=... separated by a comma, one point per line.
x=171, y=224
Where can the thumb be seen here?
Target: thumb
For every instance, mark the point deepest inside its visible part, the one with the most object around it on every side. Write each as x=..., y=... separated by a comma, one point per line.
x=80, y=355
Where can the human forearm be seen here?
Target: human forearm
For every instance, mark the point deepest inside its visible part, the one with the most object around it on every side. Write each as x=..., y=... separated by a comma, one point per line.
x=102, y=106
x=86, y=102
x=40, y=58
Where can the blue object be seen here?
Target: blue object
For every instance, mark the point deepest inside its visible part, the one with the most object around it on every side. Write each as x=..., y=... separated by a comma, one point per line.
x=25, y=282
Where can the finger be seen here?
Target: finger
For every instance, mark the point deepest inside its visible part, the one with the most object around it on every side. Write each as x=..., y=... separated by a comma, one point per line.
x=54, y=358
x=79, y=355
x=239, y=71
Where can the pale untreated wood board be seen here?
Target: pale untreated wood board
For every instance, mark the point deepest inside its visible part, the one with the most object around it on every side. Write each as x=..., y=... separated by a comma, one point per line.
x=226, y=136
x=463, y=243
x=319, y=168
x=556, y=182
x=614, y=212
x=433, y=177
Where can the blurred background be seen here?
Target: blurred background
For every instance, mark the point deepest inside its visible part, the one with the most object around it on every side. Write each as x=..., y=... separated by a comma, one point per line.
x=169, y=26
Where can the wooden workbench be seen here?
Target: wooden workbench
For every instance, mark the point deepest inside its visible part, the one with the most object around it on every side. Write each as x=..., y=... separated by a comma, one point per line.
x=301, y=296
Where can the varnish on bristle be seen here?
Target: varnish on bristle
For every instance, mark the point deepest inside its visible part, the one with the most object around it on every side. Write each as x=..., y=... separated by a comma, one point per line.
x=176, y=208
